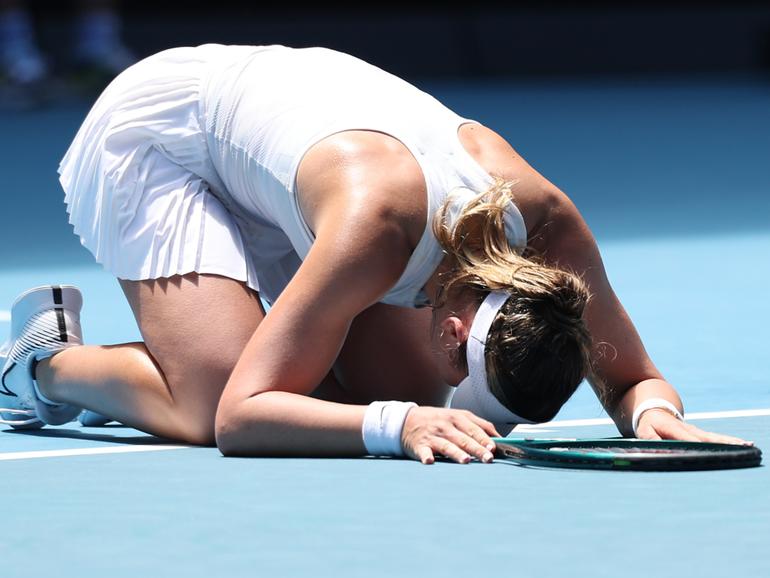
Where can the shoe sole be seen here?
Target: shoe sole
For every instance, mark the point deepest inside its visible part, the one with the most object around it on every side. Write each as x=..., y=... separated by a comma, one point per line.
x=4, y=349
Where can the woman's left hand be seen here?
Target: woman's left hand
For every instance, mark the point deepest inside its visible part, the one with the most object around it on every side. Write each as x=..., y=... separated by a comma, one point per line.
x=658, y=424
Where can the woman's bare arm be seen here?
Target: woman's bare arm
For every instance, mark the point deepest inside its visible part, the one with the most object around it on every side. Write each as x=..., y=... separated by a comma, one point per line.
x=624, y=375
x=558, y=232
x=266, y=399
x=265, y=408
x=623, y=371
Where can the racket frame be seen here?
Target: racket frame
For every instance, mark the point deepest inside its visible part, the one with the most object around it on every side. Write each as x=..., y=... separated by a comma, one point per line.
x=694, y=455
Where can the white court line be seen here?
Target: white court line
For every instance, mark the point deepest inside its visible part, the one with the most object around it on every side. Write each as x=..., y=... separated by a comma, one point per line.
x=607, y=421
x=87, y=452
x=541, y=427
x=5, y=316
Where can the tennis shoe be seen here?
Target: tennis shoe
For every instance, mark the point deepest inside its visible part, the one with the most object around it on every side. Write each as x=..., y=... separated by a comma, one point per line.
x=44, y=321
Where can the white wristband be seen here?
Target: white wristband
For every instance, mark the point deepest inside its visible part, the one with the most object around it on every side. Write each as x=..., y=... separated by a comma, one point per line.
x=654, y=403
x=383, y=423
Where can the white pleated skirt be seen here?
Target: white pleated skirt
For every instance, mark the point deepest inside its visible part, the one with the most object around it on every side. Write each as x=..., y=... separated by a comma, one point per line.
x=137, y=178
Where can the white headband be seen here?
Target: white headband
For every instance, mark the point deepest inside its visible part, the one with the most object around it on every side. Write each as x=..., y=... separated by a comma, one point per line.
x=473, y=392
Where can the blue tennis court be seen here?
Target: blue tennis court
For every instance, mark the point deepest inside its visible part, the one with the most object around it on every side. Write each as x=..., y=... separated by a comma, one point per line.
x=673, y=178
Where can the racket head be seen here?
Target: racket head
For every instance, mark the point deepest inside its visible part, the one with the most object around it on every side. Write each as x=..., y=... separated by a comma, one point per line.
x=626, y=454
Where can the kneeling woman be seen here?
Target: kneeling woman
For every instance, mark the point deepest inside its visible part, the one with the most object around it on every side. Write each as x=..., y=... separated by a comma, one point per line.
x=402, y=248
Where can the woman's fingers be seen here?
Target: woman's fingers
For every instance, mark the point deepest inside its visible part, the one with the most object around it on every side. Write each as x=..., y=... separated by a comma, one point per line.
x=425, y=455
x=479, y=431
x=661, y=425
x=441, y=446
x=486, y=426
x=656, y=424
x=674, y=429
x=647, y=433
x=707, y=436
x=455, y=434
x=451, y=450
x=470, y=446
x=475, y=427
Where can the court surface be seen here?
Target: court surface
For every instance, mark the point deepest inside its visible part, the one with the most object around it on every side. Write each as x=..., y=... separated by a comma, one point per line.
x=673, y=178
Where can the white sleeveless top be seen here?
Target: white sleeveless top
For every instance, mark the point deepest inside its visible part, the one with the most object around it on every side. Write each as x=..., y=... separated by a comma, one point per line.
x=262, y=108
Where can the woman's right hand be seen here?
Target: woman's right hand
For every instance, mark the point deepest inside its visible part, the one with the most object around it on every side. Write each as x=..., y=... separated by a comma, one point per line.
x=456, y=434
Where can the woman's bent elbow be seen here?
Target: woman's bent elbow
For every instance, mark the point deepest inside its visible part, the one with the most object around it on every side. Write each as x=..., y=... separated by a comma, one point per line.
x=229, y=428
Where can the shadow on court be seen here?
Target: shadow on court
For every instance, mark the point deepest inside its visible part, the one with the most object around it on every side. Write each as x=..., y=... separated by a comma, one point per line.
x=128, y=437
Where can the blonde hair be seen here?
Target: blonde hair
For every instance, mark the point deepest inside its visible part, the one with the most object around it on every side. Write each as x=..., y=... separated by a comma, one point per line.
x=538, y=348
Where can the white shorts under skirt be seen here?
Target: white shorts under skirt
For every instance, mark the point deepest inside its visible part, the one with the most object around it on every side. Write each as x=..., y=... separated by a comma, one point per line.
x=135, y=181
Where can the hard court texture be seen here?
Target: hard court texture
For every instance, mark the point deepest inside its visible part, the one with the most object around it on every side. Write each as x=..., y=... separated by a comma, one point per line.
x=672, y=177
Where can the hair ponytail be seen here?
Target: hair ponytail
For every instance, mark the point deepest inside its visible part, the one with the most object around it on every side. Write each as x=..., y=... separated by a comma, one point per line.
x=538, y=348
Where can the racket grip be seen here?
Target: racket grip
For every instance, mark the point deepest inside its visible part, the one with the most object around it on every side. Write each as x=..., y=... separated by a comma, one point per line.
x=382, y=427
x=654, y=403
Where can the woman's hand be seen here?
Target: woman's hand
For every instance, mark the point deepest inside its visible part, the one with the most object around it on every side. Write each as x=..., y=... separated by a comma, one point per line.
x=456, y=434
x=659, y=424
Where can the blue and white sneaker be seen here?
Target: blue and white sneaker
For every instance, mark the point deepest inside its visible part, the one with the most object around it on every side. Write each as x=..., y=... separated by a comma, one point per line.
x=44, y=321
x=15, y=416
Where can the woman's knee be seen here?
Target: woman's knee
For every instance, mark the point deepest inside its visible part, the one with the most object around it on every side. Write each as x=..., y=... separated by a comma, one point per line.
x=196, y=390
x=195, y=328
x=198, y=434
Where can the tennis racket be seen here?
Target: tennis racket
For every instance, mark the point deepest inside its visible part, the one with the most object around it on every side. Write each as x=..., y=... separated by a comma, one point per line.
x=626, y=454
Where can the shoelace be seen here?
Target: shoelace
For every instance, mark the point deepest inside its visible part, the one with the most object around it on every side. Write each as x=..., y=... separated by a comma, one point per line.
x=32, y=417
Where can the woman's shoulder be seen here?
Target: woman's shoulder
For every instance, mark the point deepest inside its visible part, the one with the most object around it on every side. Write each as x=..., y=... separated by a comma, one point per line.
x=367, y=173
x=535, y=196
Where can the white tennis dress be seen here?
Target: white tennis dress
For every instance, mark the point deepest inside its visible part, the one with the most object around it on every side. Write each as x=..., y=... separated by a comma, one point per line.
x=188, y=161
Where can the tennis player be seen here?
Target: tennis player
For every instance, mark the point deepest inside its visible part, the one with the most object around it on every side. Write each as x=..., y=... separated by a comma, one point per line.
x=402, y=249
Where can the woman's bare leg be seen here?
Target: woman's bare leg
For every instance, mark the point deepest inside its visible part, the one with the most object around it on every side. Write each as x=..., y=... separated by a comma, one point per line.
x=387, y=355
x=194, y=329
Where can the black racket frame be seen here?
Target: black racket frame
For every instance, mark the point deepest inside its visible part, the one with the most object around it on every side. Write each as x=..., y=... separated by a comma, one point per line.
x=654, y=455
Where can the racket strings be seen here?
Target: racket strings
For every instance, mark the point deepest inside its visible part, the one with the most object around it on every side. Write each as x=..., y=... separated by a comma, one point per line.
x=616, y=450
